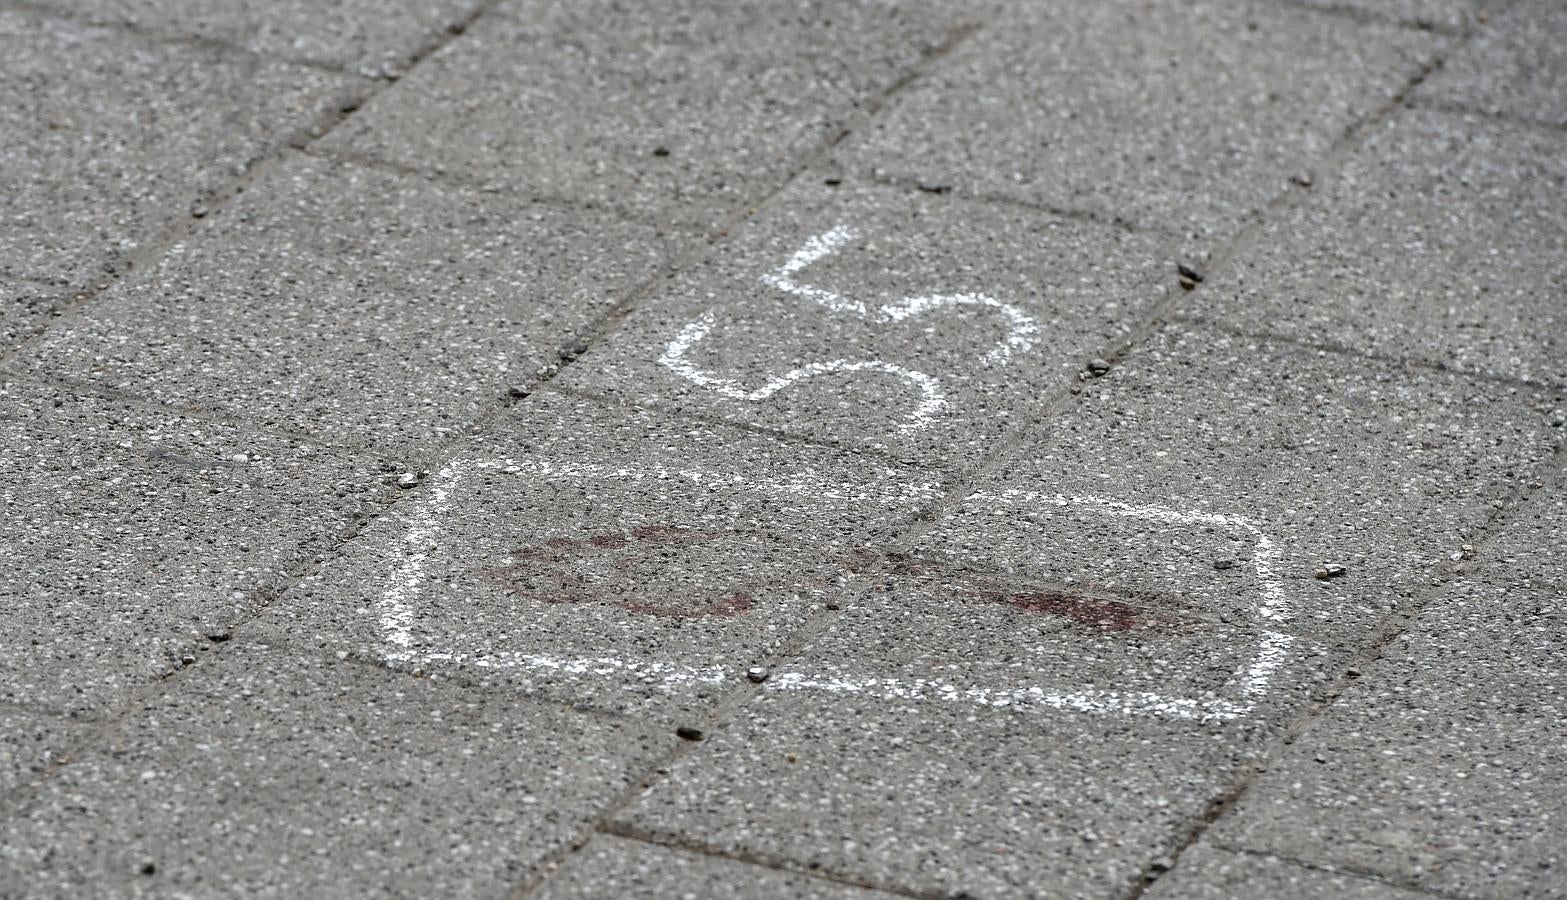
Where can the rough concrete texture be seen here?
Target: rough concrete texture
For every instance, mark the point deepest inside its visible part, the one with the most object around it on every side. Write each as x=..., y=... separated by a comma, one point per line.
x=1531, y=549
x=1190, y=126
x=674, y=110
x=367, y=37
x=24, y=307
x=616, y=867
x=30, y=743
x=1439, y=240
x=425, y=307
x=1516, y=66
x=135, y=535
x=371, y=784
x=112, y=137
x=1208, y=873
x=1332, y=460
x=607, y=555
x=897, y=321
x=1442, y=765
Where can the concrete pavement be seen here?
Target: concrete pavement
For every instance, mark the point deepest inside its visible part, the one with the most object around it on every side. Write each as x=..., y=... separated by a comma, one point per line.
x=678, y=449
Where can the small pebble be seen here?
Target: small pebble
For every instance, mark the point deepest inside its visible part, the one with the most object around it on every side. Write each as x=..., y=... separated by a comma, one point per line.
x=1224, y=562
x=1331, y=570
x=687, y=733
x=757, y=674
x=407, y=480
x=1097, y=366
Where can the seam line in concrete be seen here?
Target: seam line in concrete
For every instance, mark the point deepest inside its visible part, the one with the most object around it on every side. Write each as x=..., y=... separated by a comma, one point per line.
x=1358, y=872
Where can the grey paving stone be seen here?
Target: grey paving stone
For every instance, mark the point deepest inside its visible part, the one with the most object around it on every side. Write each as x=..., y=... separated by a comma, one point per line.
x=615, y=867
x=261, y=774
x=1531, y=549
x=30, y=742
x=1447, y=14
x=942, y=740
x=371, y=37
x=604, y=555
x=1443, y=765
x=1201, y=447
x=131, y=535
x=1515, y=66
x=1189, y=125
x=927, y=327
x=675, y=109
x=1208, y=873
x=1440, y=239
x=110, y=137
x=418, y=313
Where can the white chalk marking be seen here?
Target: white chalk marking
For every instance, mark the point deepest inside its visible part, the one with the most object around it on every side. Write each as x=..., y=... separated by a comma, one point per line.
x=674, y=358
x=396, y=615
x=1021, y=329
x=1086, y=701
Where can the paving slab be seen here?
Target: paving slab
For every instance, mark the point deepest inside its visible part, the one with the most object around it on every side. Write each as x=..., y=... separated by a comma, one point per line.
x=1204, y=452
x=1516, y=65
x=369, y=37
x=886, y=319
x=604, y=555
x=676, y=110
x=132, y=535
x=1440, y=239
x=425, y=307
x=1208, y=873
x=1450, y=15
x=112, y=137
x=1531, y=549
x=30, y=742
x=615, y=867
x=1442, y=765
x=261, y=774
x=1188, y=126
x=950, y=738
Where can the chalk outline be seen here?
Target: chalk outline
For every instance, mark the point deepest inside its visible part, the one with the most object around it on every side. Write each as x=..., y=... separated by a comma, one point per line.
x=395, y=614
x=1019, y=339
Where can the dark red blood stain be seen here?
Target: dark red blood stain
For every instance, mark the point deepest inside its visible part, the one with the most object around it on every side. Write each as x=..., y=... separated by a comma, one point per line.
x=1112, y=615
x=565, y=587
x=723, y=608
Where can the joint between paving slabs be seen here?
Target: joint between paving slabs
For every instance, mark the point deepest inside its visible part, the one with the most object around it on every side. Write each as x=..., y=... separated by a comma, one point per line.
x=1504, y=118
x=1339, y=349
x=1077, y=214
x=1365, y=16
x=1364, y=874
x=779, y=864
